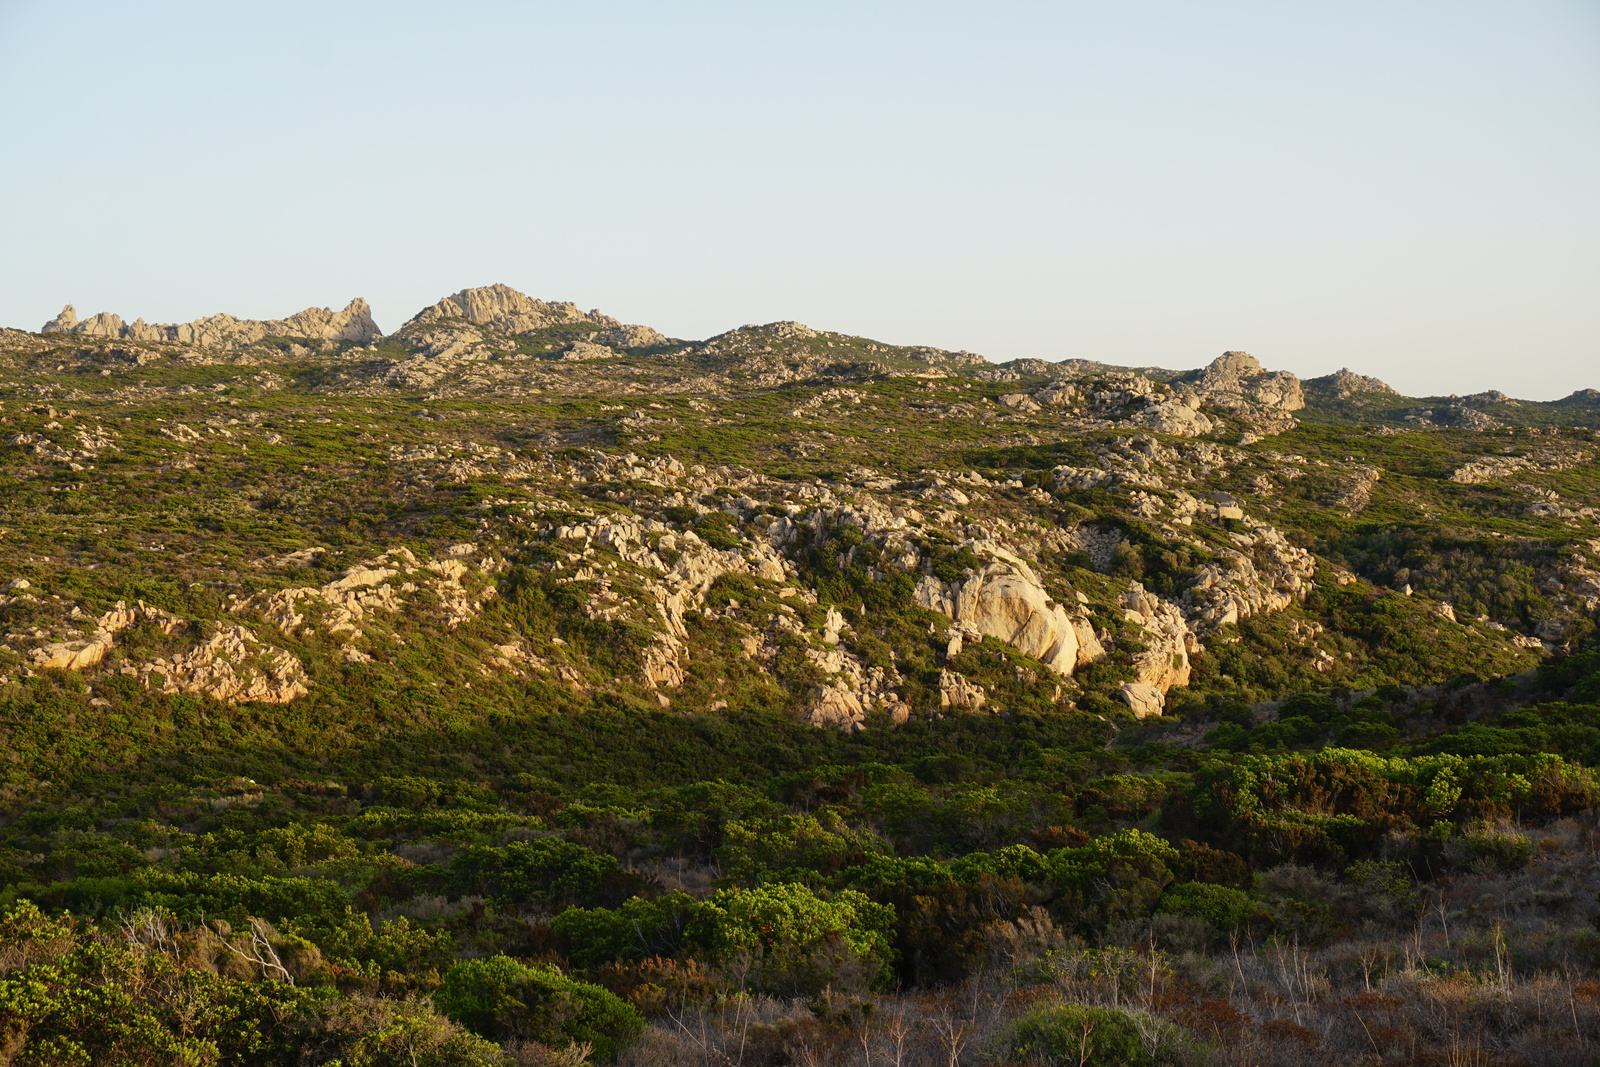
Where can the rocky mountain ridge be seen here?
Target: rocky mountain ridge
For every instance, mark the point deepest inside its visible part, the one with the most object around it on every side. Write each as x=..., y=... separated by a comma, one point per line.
x=867, y=532
x=523, y=635
x=353, y=324
x=494, y=340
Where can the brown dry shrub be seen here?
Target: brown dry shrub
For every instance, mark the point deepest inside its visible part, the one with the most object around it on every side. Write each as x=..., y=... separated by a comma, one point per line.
x=659, y=983
x=1285, y=1031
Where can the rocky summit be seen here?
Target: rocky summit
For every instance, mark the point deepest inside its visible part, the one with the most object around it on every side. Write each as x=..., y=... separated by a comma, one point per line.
x=362, y=661
x=354, y=323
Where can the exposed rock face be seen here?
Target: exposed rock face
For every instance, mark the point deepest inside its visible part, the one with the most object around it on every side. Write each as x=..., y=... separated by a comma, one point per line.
x=1463, y=417
x=1234, y=383
x=584, y=350
x=1145, y=700
x=354, y=323
x=506, y=309
x=377, y=586
x=1167, y=639
x=630, y=337
x=959, y=691
x=661, y=662
x=1005, y=601
x=681, y=586
x=235, y=665
x=1020, y=401
x=790, y=330
x=1237, y=586
x=1179, y=416
x=232, y=666
x=1238, y=372
x=1458, y=416
x=76, y=654
x=1357, y=492
x=844, y=701
x=1346, y=382
x=1487, y=470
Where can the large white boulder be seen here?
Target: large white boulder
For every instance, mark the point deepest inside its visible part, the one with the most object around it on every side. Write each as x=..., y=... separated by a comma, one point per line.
x=1005, y=600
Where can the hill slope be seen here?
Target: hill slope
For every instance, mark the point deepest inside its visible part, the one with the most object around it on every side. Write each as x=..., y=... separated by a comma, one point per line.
x=781, y=607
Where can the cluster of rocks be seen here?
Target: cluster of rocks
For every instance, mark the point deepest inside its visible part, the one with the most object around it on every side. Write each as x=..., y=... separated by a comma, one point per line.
x=507, y=310
x=1234, y=384
x=228, y=660
x=1452, y=416
x=354, y=323
x=1235, y=376
x=1345, y=383
x=231, y=664
x=377, y=588
x=1494, y=468
x=1002, y=597
x=91, y=442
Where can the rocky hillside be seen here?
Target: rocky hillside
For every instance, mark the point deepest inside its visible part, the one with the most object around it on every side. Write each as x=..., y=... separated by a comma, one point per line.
x=528, y=687
x=283, y=511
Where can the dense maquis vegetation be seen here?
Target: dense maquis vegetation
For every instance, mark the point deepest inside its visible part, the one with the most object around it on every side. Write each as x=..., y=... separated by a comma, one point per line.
x=507, y=721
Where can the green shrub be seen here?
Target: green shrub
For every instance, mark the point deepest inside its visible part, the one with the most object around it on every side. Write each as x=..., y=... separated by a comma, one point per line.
x=636, y=930
x=793, y=941
x=793, y=848
x=502, y=999
x=385, y=1032
x=1492, y=849
x=545, y=871
x=1223, y=907
x=1075, y=1035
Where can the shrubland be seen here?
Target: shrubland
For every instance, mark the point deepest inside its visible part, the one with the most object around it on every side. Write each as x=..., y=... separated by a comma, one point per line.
x=475, y=696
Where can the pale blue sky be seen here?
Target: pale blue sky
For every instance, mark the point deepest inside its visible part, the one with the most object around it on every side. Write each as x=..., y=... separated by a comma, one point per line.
x=1411, y=189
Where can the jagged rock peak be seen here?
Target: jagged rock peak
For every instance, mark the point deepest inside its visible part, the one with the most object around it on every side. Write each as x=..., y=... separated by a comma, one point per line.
x=505, y=308
x=1230, y=370
x=1239, y=372
x=354, y=323
x=1345, y=382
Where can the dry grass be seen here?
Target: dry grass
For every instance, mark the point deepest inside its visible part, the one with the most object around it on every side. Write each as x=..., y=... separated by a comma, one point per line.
x=1491, y=969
